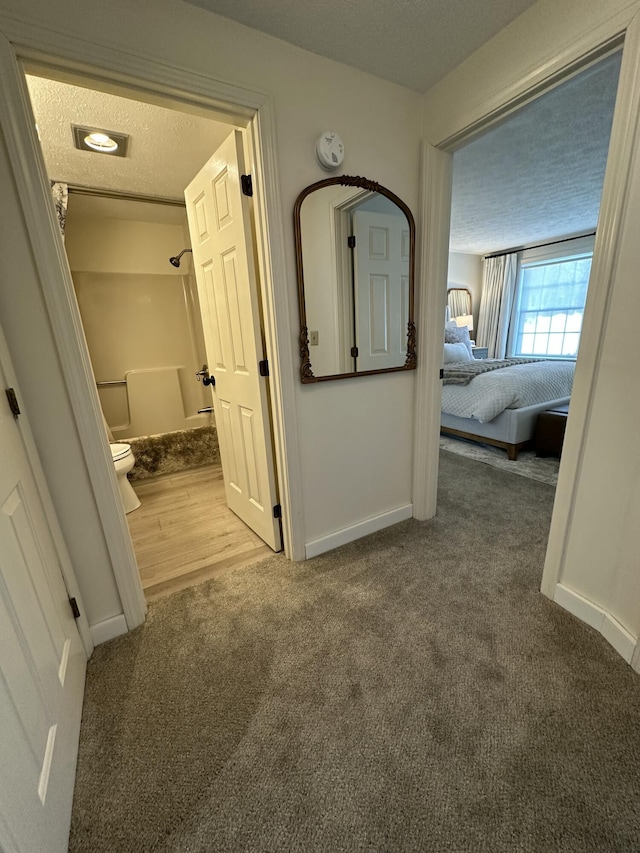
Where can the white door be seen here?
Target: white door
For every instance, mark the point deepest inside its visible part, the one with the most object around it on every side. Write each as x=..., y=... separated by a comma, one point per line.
x=42, y=660
x=381, y=276
x=220, y=230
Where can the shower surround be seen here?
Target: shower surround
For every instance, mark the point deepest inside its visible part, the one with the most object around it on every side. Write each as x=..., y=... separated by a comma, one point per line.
x=140, y=314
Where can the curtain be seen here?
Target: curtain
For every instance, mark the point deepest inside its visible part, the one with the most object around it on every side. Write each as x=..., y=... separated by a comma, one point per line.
x=498, y=292
x=60, y=193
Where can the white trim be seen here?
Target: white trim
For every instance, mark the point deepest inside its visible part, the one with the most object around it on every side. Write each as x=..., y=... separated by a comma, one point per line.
x=180, y=85
x=549, y=72
x=603, y=622
x=106, y=630
x=64, y=560
x=57, y=49
x=278, y=323
x=357, y=531
x=635, y=657
x=622, y=147
x=431, y=300
x=53, y=269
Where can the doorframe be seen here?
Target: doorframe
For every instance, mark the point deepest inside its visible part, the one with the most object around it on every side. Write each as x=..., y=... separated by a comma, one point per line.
x=65, y=564
x=28, y=43
x=623, y=29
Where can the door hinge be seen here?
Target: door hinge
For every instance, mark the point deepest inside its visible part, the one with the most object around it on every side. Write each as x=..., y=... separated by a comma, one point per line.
x=263, y=367
x=277, y=511
x=354, y=352
x=247, y=185
x=74, y=608
x=351, y=241
x=13, y=402
x=442, y=373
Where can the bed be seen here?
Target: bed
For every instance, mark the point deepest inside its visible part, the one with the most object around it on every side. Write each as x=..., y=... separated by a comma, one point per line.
x=500, y=402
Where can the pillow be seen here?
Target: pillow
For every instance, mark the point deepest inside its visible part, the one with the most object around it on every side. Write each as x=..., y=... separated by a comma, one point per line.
x=454, y=334
x=456, y=352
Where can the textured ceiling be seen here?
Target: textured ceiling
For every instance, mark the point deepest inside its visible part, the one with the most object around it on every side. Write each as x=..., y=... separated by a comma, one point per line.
x=411, y=43
x=536, y=177
x=539, y=175
x=166, y=147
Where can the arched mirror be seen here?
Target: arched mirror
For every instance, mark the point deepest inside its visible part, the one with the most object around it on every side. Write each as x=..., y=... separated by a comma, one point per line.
x=355, y=256
x=459, y=302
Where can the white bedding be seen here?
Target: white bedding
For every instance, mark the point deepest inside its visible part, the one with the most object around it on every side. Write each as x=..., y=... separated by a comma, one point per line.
x=508, y=388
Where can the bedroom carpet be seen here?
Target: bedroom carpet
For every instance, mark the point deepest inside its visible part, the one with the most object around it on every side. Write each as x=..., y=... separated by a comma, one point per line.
x=544, y=469
x=411, y=691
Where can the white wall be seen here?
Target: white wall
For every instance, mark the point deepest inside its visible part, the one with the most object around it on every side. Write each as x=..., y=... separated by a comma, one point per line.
x=380, y=125
x=600, y=570
x=466, y=271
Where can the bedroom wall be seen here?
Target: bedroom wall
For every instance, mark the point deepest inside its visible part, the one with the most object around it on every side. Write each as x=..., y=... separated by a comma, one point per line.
x=365, y=470
x=600, y=580
x=466, y=271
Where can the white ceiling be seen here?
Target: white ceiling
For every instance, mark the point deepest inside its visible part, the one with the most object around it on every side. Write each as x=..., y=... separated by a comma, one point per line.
x=166, y=150
x=411, y=43
x=538, y=176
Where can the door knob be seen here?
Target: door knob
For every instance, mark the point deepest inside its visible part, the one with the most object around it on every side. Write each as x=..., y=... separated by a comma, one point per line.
x=203, y=374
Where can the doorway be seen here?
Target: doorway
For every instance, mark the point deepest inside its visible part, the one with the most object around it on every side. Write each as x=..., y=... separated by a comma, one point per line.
x=525, y=206
x=125, y=223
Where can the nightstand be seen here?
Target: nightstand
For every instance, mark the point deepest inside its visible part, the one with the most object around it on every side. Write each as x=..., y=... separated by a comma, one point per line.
x=480, y=352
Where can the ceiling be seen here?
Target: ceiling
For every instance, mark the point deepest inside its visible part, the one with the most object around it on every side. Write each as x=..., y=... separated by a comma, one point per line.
x=411, y=43
x=166, y=149
x=535, y=177
x=538, y=176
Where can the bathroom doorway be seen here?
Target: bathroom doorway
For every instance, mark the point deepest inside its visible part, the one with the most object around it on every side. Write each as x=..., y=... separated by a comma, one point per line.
x=125, y=219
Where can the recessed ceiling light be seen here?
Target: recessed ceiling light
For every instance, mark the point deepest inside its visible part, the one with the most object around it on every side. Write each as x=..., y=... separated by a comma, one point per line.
x=100, y=141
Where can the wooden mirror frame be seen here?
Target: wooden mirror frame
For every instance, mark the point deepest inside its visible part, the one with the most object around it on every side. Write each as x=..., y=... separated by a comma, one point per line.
x=306, y=372
x=456, y=288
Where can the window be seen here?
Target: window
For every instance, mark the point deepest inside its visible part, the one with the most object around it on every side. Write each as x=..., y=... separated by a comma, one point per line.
x=550, y=299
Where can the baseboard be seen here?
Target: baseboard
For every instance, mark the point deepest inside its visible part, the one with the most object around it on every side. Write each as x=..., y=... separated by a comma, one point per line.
x=108, y=629
x=613, y=632
x=357, y=531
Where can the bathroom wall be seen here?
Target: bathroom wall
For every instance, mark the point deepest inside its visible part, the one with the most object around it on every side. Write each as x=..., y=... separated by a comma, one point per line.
x=139, y=314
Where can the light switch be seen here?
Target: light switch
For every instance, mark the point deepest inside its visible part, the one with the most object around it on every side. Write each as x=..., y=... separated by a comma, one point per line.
x=313, y=339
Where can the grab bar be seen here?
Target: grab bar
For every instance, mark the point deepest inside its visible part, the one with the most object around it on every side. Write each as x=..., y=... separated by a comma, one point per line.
x=112, y=382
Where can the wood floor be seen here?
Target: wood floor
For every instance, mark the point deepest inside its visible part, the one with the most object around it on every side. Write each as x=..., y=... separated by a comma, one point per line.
x=184, y=533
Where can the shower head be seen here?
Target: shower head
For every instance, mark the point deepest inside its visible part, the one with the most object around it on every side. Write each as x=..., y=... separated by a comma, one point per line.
x=176, y=260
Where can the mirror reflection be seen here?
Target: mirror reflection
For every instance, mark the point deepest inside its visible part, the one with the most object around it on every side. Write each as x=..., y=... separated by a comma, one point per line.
x=459, y=302
x=355, y=252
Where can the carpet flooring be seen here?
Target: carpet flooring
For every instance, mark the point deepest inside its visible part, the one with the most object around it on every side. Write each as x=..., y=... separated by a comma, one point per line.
x=545, y=469
x=411, y=691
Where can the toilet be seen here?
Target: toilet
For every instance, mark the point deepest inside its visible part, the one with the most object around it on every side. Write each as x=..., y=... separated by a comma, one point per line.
x=123, y=459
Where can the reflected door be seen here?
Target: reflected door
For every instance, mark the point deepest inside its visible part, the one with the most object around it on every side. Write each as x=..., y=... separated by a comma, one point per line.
x=381, y=285
x=220, y=231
